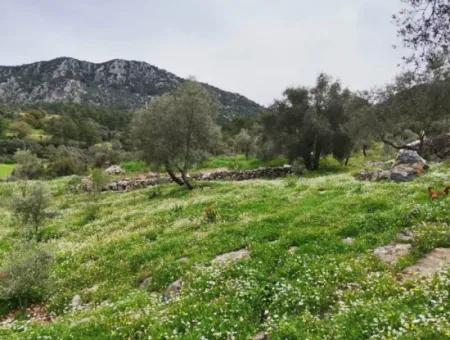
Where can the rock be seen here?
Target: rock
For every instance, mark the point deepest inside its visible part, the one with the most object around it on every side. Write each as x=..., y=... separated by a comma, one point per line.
x=183, y=259
x=115, y=170
x=86, y=184
x=76, y=302
x=409, y=157
x=173, y=291
x=408, y=165
x=260, y=336
x=405, y=236
x=145, y=283
x=348, y=241
x=434, y=262
x=392, y=253
x=292, y=250
x=232, y=257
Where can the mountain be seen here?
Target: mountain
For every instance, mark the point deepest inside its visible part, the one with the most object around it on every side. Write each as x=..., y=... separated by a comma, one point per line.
x=117, y=83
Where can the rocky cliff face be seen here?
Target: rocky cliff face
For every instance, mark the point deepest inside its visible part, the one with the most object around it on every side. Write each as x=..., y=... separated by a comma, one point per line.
x=120, y=83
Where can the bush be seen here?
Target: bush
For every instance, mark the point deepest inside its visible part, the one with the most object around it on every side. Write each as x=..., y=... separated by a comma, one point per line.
x=99, y=180
x=25, y=277
x=29, y=166
x=29, y=205
x=67, y=161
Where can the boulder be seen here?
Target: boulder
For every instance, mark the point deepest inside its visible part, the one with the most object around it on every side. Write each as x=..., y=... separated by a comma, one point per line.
x=173, y=291
x=409, y=157
x=408, y=165
x=115, y=170
x=232, y=257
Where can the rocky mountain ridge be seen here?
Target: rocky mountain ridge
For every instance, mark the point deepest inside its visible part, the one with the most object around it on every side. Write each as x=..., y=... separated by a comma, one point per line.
x=119, y=83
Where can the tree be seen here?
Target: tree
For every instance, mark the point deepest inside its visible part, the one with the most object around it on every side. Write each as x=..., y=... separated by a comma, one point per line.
x=309, y=123
x=28, y=165
x=99, y=180
x=244, y=142
x=177, y=130
x=424, y=27
x=29, y=205
x=413, y=109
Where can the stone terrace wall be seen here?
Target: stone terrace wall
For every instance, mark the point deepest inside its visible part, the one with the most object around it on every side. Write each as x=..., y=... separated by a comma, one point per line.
x=238, y=175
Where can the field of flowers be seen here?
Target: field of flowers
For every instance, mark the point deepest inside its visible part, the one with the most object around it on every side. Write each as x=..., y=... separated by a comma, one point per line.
x=117, y=254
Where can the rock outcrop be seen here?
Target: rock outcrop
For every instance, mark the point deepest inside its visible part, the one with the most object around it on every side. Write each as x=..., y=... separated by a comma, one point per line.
x=124, y=84
x=408, y=165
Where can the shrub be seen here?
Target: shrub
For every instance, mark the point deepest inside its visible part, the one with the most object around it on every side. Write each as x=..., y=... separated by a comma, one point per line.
x=29, y=166
x=99, y=180
x=67, y=161
x=25, y=277
x=29, y=205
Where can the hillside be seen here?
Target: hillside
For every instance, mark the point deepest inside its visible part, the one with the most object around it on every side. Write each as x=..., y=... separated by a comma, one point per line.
x=298, y=276
x=116, y=83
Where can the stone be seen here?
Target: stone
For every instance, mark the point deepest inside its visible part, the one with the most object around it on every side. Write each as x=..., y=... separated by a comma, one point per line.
x=292, y=250
x=232, y=257
x=407, y=166
x=173, y=291
x=348, y=241
x=434, y=262
x=260, y=336
x=409, y=157
x=145, y=283
x=115, y=170
x=183, y=259
x=76, y=302
x=390, y=254
x=405, y=236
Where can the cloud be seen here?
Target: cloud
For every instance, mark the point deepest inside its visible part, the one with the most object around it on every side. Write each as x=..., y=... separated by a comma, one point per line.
x=256, y=48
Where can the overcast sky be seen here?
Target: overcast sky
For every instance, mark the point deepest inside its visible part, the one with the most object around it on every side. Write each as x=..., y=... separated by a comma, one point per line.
x=254, y=47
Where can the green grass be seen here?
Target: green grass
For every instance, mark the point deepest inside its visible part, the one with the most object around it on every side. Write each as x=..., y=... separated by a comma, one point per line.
x=6, y=170
x=103, y=257
x=239, y=162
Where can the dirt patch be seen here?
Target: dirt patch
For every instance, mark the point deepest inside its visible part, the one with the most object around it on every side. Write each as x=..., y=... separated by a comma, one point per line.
x=432, y=263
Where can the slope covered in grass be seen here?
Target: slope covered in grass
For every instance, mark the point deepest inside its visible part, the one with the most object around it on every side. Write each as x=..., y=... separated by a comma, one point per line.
x=301, y=280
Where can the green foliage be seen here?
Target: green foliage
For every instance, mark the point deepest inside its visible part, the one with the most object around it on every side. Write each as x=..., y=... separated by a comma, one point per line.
x=323, y=287
x=25, y=277
x=134, y=166
x=177, y=130
x=99, y=179
x=28, y=165
x=6, y=170
x=29, y=205
x=312, y=123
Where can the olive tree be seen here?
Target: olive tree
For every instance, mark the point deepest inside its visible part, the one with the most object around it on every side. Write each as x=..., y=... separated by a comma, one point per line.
x=424, y=27
x=177, y=130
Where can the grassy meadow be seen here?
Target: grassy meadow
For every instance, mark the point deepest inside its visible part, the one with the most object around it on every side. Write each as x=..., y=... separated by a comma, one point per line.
x=6, y=170
x=300, y=282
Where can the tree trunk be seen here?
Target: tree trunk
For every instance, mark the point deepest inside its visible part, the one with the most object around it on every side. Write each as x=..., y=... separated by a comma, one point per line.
x=346, y=161
x=364, y=150
x=186, y=180
x=173, y=176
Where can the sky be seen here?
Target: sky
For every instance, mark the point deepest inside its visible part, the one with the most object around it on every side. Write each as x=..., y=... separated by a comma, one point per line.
x=253, y=47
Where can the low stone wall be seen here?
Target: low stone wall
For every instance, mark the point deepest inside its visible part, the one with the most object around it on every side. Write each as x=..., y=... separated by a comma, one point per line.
x=242, y=175
x=143, y=181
